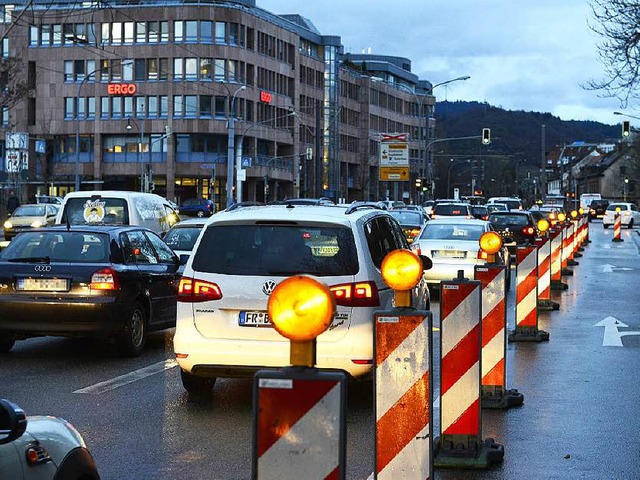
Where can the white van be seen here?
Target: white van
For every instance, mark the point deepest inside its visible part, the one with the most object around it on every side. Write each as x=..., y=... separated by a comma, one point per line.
x=117, y=207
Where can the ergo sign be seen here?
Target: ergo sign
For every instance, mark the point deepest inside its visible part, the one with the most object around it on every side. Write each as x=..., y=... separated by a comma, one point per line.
x=265, y=97
x=122, y=88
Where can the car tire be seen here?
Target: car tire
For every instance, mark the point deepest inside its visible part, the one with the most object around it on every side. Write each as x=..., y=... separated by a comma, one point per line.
x=604, y=225
x=200, y=214
x=6, y=343
x=133, y=337
x=630, y=224
x=196, y=385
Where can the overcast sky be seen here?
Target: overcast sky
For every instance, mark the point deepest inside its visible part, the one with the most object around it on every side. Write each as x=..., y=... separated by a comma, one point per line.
x=521, y=54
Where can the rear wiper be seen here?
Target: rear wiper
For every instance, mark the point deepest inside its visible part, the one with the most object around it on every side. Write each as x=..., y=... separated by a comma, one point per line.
x=30, y=259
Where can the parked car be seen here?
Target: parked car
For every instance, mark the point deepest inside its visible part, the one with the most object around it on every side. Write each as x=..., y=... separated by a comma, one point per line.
x=515, y=227
x=223, y=329
x=41, y=447
x=115, y=207
x=451, y=210
x=597, y=208
x=198, y=207
x=629, y=214
x=411, y=221
x=115, y=282
x=453, y=244
x=183, y=235
x=29, y=216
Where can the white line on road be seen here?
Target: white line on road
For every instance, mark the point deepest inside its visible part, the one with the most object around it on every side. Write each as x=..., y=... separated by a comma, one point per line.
x=129, y=377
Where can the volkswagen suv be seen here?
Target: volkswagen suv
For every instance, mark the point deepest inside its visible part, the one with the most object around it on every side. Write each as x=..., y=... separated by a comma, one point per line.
x=223, y=329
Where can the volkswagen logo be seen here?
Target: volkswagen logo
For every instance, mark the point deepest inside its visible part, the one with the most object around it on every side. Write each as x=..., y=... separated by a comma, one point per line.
x=268, y=287
x=42, y=268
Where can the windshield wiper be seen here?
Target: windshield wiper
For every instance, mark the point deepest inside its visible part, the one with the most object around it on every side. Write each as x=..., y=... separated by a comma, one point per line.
x=30, y=259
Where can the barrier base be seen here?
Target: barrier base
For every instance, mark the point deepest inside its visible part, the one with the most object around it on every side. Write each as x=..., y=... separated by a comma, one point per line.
x=572, y=263
x=549, y=305
x=558, y=285
x=488, y=454
x=617, y=240
x=528, y=335
x=497, y=398
x=581, y=249
x=577, y=255
x=566, y=272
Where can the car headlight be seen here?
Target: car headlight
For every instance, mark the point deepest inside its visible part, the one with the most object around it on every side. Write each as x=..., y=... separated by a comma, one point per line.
x=37, y=224
x=8, y=225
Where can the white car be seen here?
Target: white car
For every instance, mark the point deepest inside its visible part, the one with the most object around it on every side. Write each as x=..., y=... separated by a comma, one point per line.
x=183, y=235
x=41, y=447
x=446, y=210
x=513, y=203
x=452, y=244
x=629, y=213
x=222, y=327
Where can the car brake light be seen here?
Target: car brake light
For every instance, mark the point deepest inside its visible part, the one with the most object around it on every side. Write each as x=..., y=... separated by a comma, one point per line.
x=416, y=249
x=363, y=294
x=363, y=361
x=482, y=255
x=192, y=290
x=528, y=230
x=105, y=279
x=485, y=217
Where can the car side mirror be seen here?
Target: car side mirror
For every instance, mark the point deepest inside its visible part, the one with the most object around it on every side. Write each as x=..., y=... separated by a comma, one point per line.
x=427, y=263
x=184, y=258
x=13, y=421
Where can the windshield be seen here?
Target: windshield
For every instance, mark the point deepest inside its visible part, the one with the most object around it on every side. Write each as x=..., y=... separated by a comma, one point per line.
x=96, y=209
x=29, y=211
x=59, y=246
x=442, y=231
x=277, y=250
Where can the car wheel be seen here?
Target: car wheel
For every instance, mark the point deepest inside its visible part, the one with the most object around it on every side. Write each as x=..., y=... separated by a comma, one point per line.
x=630, y=224
x=605, y=225
x=6, y=343
x=200, y=213
x=197, y=385
x=134, y=335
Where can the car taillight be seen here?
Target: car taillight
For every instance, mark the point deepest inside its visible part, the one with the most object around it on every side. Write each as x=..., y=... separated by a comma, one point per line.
x=105, y=279
x=528, y=230
x=364, y=294
x=482, y=255
x=485, y=217
x=192, y=290
x=416, y=249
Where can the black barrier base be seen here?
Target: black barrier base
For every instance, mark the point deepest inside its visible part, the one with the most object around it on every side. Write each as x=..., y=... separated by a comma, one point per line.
x=566, y=272
x=577, y=255
x=617, y=240
x=528, y=336
x=501, y=399
x=572, y=263
x=549, y=305
x=452, y=456
x=558, y=285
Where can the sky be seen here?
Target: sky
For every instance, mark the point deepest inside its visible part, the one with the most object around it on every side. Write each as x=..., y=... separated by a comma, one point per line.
x=520, y=54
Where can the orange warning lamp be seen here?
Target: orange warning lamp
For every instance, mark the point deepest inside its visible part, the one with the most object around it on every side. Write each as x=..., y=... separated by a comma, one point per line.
x=402, y=270
x=618, y=210
x=574, y=214
x=301, y=308
x=581, y=211
x=490, y=243
x=543, y=225
x=561, y=217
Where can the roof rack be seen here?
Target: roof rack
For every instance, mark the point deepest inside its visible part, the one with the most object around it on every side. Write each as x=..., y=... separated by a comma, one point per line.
x=355, y=206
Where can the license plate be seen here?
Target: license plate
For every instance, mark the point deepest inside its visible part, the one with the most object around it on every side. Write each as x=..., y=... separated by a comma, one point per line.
x=450, y=254
x=43, y=284
x=254, y=319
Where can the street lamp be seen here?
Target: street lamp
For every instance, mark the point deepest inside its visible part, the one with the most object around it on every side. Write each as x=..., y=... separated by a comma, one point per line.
x=626, y=115
x=138, y=148
x=231, y=145
x=77, y=159
x=453, y=163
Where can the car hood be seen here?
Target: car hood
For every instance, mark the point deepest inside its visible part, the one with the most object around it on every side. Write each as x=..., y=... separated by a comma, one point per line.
x=55, y=434
x=22, y=221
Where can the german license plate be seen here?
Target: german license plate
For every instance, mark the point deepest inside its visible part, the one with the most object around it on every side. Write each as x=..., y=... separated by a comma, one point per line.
x=43, y=284
x=450, y=253
x=254, y=319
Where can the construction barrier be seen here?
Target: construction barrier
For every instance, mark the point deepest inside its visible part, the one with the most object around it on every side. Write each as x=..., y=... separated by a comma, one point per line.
x=565, y=251
x=403, y=394
x=617, y=228
x=556, y=236
x=527, y=297
x=576, y=238
x=460, y=444
x=571, y=244
x=544, y=275
x=494, y=339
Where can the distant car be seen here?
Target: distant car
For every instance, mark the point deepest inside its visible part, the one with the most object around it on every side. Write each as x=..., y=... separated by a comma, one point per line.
x=113, y=282
x=428, y=206
x=41, y=447
x=183, y=235
x=515, y=227
x=198, y=207
x=512, y=203
x=480, y=212
x=411, y=221
x=629, y=214
x=49, y=199
x=247, y=203
x=28, y=217
x=597, y=208
x=453, y=244
x=308, y=201
x=451, y=210
x=496, y=207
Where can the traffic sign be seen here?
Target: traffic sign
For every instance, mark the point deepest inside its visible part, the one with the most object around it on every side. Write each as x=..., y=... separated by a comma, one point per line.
x=246, y=162
x=394, y=157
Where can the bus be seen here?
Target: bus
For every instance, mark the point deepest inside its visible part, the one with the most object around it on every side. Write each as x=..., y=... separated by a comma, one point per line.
x=587, y=198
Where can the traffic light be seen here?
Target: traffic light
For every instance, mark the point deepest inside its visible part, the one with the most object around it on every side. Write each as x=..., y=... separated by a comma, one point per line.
x=626, y=128
x=626, y=179
x=486, y=136
x=418, y=183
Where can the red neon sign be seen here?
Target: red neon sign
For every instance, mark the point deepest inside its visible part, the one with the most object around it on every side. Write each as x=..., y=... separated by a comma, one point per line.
x=122, y=88
x=265, y=97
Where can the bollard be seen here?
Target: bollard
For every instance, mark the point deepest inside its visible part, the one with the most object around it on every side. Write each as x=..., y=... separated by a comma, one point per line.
x=526, y=297
x=460, y=444
x=617, y=227
x=575, y=244
x=555, y=236
x=571, y=244
x=402, y=371
x=544, y=269
x=565, y=252
x=299, y=412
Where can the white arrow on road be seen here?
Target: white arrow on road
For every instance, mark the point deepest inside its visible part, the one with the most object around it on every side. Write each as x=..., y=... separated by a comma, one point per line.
x=613, y=337
x=608, y=268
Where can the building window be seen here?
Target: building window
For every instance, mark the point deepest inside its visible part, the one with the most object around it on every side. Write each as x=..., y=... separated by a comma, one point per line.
x=34, y=36
x=69, y=108
x=190, y=106
x=191, y=69
x=233, y=33
x=178, y=68
x=164, y=106
x=5, y=116
x=152, y=105
x=116, y=107
x=140, y=73
x=128, y=106
x=139, y=107
x=177, y=106
x=104, y=107
x=219, y=70
x=178, y=31
x=191, y=31
x=205, y=105
x=221, y=107
x=206, y=68
x=91, y=107
x=127, y=70
x=221, y=32
x=206, y=31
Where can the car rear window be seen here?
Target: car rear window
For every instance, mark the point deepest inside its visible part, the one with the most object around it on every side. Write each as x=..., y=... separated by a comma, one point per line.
x=407, y=218
x=87, y=210
x=621, y=206
x=63, y=246
x=509, y=220
x=441, y=231
x=269, y=249
x=450, y=209
x=182, y=238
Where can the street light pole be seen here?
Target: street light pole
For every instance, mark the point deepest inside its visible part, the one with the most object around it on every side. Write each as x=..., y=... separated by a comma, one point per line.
x=231, y=145
x=138, y=149
x=77, y=159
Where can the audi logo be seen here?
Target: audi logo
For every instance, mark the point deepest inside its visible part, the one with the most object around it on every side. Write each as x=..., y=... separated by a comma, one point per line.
x=42, y=268
x=268, y=287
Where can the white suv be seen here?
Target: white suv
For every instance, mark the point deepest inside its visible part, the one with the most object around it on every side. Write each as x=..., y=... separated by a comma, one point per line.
x=222, y=327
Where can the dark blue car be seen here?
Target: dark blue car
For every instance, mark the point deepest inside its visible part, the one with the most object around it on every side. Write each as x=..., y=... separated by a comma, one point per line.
x=199, y=207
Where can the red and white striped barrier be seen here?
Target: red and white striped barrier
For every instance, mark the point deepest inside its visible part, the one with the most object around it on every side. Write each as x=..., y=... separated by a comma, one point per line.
x=403, y=397
x=494, y=339
x=544, y=275
x=617, y=228
x=576, y=240
x=460, y=443
x=527, y=297
x=555, y=236
x=288, y=408
x=566, y=250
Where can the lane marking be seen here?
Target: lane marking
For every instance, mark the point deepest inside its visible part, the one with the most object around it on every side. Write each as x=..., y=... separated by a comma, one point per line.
x=129, y=377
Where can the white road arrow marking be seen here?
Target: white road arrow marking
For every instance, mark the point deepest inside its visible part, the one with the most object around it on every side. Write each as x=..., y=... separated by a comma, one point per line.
x=129, y=377
x=612, y=337
x=608, y=268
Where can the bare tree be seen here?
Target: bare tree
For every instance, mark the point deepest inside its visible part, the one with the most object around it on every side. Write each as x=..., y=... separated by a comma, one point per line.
x=13, y=87
x=618, y=22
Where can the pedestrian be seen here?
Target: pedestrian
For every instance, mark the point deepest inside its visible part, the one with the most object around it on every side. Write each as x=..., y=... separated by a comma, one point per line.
x=13, y=202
